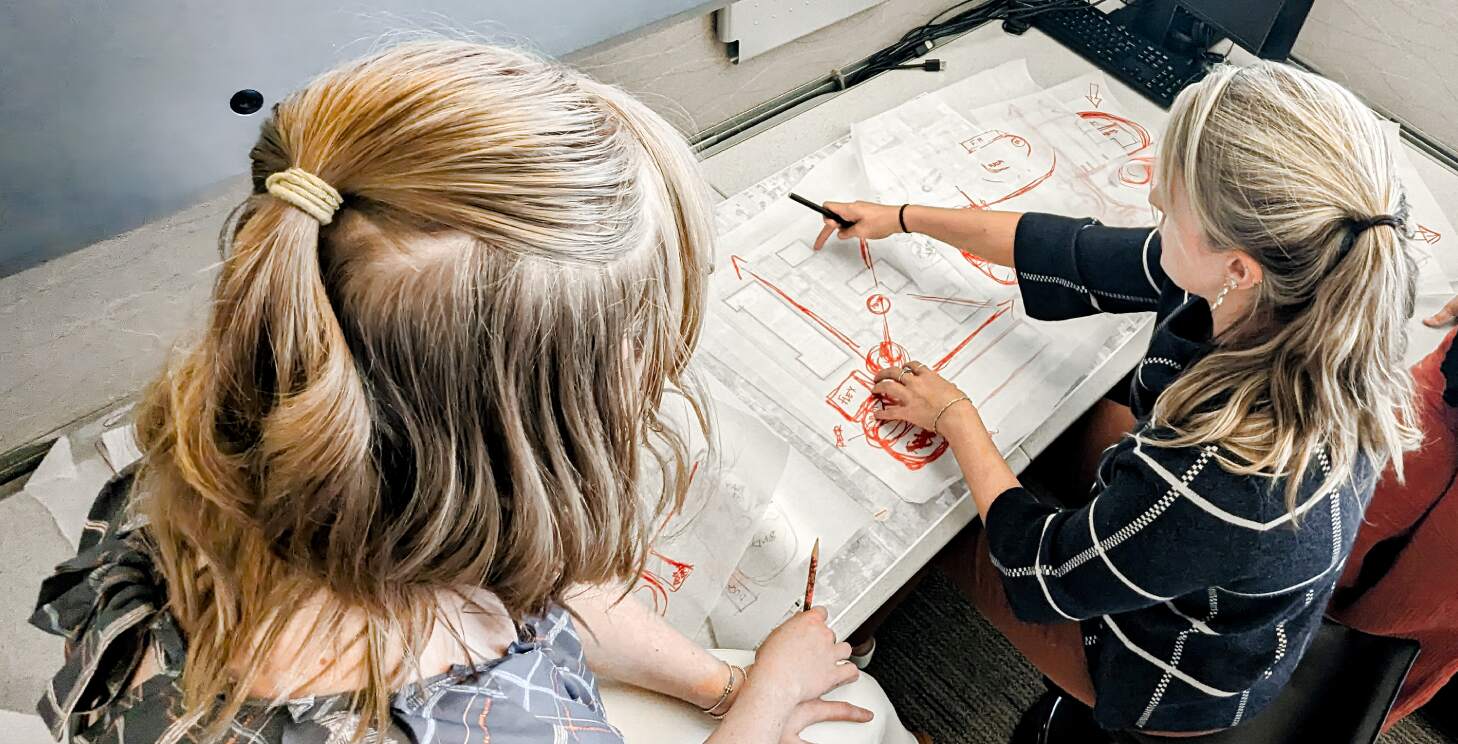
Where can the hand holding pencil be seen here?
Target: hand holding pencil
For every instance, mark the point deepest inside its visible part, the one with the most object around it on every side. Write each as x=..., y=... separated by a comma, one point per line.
x=860, y=220
x=810, y=579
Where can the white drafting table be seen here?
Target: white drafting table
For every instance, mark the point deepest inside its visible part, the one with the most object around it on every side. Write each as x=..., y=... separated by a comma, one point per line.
x=819, y=122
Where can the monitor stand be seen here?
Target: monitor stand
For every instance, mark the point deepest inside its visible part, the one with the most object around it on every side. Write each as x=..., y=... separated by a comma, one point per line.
x=1166, y=24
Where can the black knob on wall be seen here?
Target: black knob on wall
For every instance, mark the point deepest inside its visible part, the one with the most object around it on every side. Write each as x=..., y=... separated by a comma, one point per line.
x=246, y=101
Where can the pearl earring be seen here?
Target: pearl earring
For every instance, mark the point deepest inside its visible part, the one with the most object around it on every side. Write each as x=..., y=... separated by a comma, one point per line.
x=1219, y=298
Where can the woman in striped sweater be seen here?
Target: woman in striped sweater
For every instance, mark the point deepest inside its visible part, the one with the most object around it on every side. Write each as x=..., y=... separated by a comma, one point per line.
x=1180, y=597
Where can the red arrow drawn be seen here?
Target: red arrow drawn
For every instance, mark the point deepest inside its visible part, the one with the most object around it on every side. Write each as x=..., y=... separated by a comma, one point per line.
x=734, y=261
x=1002, y=309
x=1093, y=95
x=738, y=262
x=1428, y=235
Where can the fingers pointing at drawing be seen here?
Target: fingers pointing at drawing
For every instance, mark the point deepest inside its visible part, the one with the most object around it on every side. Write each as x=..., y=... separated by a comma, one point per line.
x=824, y=235
x=871, y=221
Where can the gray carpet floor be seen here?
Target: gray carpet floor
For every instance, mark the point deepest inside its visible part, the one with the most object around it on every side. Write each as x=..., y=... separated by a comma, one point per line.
x=965, y=684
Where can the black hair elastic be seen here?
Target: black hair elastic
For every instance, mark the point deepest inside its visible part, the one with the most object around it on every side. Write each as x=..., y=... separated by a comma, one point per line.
x=1360, y=226
x=1355, y=228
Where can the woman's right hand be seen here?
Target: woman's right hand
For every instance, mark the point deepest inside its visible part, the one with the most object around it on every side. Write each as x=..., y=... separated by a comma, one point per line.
x=872, y=221
x=797, y=664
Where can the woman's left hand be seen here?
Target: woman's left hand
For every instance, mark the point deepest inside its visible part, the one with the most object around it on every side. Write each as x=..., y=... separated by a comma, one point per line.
x=916, y=394
x=1445, y=315
x=719, y=682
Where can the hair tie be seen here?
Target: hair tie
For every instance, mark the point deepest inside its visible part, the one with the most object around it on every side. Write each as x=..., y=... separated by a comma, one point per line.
x=1359, y=226
x=310, y=193
x=1356, y=226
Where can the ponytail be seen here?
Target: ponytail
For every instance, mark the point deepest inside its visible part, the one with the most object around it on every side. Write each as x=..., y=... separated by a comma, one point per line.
x=275, y=326
x=1296, y=172
x=442, y=384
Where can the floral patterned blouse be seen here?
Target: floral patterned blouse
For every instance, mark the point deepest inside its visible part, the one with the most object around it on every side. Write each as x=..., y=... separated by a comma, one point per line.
x=109, y=603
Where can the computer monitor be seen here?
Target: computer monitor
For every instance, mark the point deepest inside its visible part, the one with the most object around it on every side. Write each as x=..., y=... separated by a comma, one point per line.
x=1265, y=28
x=1160, y=47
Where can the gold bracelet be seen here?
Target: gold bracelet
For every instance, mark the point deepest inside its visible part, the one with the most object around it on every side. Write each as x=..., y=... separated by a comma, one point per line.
x=938, y=419
x=728, y=689
x=713, y=710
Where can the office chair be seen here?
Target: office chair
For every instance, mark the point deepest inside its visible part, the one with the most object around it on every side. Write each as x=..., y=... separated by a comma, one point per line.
x=1340, y=692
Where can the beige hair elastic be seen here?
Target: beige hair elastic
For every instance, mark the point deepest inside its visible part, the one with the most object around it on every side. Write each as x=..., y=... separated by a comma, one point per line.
x=306, y=191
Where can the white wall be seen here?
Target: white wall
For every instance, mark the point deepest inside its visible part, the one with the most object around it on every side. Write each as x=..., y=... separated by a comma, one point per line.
x=1400, y=55
x=88, y=329
x=113, y=114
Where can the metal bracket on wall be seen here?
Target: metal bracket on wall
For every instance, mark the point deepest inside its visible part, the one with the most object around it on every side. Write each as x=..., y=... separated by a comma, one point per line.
x=752, y=27
x=741, y=126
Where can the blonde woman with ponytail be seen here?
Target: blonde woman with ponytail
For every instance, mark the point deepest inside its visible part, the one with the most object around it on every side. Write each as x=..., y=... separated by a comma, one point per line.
x=393, y=492
x=1182, y=594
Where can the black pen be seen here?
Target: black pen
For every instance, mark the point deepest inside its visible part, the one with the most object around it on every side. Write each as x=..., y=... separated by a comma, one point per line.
x=843, y=222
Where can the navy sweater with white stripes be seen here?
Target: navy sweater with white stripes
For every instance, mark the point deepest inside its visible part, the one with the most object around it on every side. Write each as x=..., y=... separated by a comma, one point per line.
x=1196, y=590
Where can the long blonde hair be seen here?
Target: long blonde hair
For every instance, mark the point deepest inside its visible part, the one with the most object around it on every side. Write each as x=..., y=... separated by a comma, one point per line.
x=1281, y=164
x=451, y=385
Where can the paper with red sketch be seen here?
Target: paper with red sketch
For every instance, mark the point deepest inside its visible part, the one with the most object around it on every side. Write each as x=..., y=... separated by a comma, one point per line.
x=795, y=336
x=813, y=329
x=1069, y=149
x=729, y=550
x=696, y=548
x=768, y=585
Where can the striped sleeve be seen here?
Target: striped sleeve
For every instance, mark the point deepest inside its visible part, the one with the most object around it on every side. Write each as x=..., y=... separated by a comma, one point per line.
x=1140, y=542
x=1069, y=268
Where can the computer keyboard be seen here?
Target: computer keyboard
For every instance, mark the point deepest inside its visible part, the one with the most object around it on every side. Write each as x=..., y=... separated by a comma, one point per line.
x=1126, y=55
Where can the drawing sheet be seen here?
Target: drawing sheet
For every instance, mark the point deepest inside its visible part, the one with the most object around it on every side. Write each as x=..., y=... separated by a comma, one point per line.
x=731, y=484
x=768, y=585
x=815, y=327
x=1069, y=149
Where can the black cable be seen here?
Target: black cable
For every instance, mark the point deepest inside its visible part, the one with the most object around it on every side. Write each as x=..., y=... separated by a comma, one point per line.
x=938, y=16
x=1226, y=56
x=930, y=65
x=923, y=39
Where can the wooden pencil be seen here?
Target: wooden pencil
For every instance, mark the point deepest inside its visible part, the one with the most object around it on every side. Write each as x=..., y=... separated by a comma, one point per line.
x=810, y=579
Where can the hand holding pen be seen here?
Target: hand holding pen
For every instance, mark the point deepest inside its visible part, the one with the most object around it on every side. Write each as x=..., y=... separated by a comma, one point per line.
x=860, y=219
